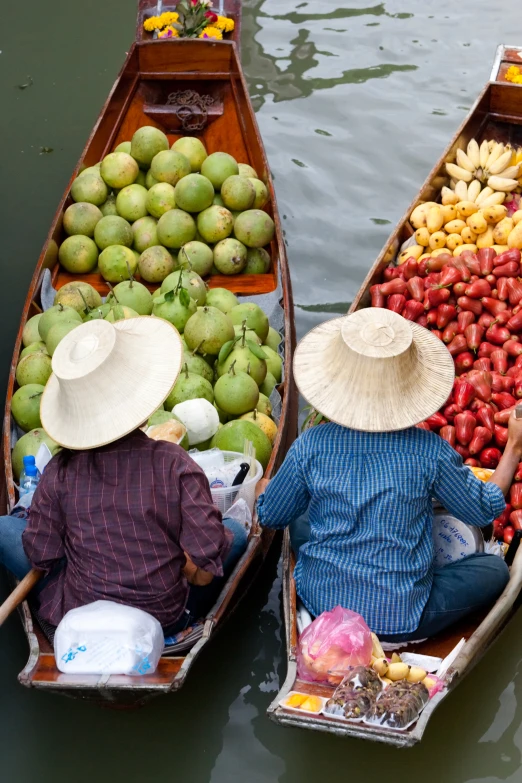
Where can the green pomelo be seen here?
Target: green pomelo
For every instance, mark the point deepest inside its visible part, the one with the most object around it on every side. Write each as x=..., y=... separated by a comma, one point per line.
x=246, y=171
x=25, y=406
x=169, y=307
x=34, y=368
x=28, y=445
x=81, y=218
x=215, y=223
x=258, y=261
x=273, y=339
x=131, y=202
x=145, y=233
x=160, y=199
x=57, y=333
x=119, y=169
x=120, y=313
x=36, y=347
x=156, y=264
x=170, y=166
x=91, y=170
x=208, y=330
x=194, y=193
x=78, y=254
x=217, y=167
x=150, y=180
x=76, y=295
x=230, y=256
x=97, y=313
x=141, y=179
x=198, y=366
x=31, y=333
x=217, y=200
x=109, y=207
x=253, y=315
x=146, y=143
x=113, y=230
x=193, y=149
x=156, y=294
x=244, y=360
x=189, y=386
x=90, y=188
x=268, y=385
x=176, y=228
x=132, y=294
x=196, y=256
x=236, y=392
x=238, y=193
x=232, y=437
x=123, y=146
x=261, y=193
x=55, y=315
x=274, y=362
x=249, y=334
x=264, y=405
x=189, y=280
x=254, y=228
x=222, y=298
x=115, y=262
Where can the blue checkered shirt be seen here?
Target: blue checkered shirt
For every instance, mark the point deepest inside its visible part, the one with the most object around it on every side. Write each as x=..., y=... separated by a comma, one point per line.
x=369, y=497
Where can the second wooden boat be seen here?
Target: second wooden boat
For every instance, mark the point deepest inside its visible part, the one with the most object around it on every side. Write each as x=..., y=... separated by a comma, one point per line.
x=497, y=115
x=150, y=90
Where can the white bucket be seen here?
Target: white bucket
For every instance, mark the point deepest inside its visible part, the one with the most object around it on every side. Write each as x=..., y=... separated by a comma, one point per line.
x=224, y=497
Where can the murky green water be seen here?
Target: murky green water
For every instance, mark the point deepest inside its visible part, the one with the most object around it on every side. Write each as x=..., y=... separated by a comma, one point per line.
x=355, y=103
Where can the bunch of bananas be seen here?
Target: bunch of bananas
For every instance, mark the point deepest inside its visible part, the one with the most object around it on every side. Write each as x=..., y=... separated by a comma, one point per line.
x=484, y=174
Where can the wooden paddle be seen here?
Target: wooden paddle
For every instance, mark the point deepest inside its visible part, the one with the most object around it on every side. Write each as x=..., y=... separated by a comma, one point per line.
x=19, y=594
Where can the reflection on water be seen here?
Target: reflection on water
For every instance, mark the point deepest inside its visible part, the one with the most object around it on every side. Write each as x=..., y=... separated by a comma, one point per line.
x=355, y=103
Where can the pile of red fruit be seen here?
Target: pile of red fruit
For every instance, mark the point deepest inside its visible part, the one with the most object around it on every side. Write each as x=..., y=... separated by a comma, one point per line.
x=473, y=303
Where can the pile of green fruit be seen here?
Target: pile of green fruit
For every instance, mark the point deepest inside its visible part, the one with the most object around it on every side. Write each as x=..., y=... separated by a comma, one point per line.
x=230, y=358
x=149, y=210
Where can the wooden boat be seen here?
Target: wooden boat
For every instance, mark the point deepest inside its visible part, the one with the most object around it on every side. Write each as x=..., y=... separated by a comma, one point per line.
x=505, y=57
x=152, y=72
x=231, y=8
x=497, y=114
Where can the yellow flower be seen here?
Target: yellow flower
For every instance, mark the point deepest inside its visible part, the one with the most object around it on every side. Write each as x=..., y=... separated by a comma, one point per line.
x=225, y=24
x=211, y=32
x=513, y=75
x=158, y=22
x=169, y=17
x=151, y=24
x=169, y=32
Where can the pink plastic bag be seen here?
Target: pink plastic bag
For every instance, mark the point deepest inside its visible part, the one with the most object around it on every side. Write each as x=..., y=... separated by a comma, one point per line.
x=333, y=642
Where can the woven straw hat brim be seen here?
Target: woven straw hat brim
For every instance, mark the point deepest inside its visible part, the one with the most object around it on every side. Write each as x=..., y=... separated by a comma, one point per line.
x=378, y=394
x=108, y=379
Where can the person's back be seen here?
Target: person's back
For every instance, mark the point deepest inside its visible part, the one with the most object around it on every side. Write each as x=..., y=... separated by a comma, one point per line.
x=125, y=514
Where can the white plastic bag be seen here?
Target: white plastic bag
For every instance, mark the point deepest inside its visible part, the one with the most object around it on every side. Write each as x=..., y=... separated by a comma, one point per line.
x=108, y=638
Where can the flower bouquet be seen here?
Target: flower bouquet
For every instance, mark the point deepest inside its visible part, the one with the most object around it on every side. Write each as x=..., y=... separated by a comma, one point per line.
x=191, y=19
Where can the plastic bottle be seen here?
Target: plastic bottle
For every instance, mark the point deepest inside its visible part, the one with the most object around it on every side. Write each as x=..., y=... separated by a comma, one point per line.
x=29, y=477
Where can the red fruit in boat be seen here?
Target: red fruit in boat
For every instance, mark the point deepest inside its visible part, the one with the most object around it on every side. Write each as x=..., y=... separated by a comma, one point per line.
x=438, y=296
x=472, y=463
x=499, y=360
x=436, y=264
x=459, y=289
x=450, y=332
x=473, y=305
x=516, y=519
x=463, y=393
x=412, y=310
x=503, y=400
x=486, y=319
x=493, y=306
x=482, y=383
x=497, y=334
x=450, y=275
x=486, y=256
x=450, y=411
x=423, y=426
x=485, y=417
x=391, y=273
x=463, y=362
x=470, y=260
x=501, y=436
x=378, y=299
x=482, y=364
x=410, y=269
x=514, y=286
x=486, y=349
x=515, y=322
x=518, y=472
x=465, y=424
x=512, y=347
x=503, y=416
x=481, y=437
x=517, y=391
x=474, y=334
x=502, y=289
x=396, y=286
x=445, y=314
x=447, y=433
x=396, y=303
x=415, y=286
x=490, y=457
x=478, y=289
x=509, y=532
x=515, y=496
x=508, y=256
x=462, y=450
x=431, y=316
x=457, y=345
x=465, y=318
x=436, y=420
x=507, y=270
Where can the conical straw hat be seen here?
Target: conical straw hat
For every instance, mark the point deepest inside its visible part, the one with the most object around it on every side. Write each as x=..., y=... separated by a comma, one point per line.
x=373, y=371
x=108, y=379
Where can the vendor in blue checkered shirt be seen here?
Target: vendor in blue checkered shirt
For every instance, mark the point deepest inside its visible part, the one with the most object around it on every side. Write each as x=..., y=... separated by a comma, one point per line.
x=367, y=481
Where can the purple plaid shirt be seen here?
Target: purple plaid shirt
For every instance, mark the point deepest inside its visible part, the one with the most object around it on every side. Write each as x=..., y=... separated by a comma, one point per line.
x=122, y=516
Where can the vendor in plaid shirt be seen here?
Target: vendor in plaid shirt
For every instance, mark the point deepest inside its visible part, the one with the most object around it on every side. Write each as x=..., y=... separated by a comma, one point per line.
x=367, y=481
x=118, y=516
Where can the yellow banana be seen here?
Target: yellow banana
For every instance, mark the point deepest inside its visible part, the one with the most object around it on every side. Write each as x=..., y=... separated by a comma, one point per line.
x=458, y=172
x=419, y=215
x=464, y=162
x=501, y=163
x=416, y=674
x=494, y=155
x=461, y=189
x=496, y=198
x=396, y=658
x=381, y=666
x=474, y=189
x=473, y=151
x=398, y=671
x=484, y=153
x=377, y=650
x=483, y=195
x=511, y=172
x=449, y=196
x=502, y=184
